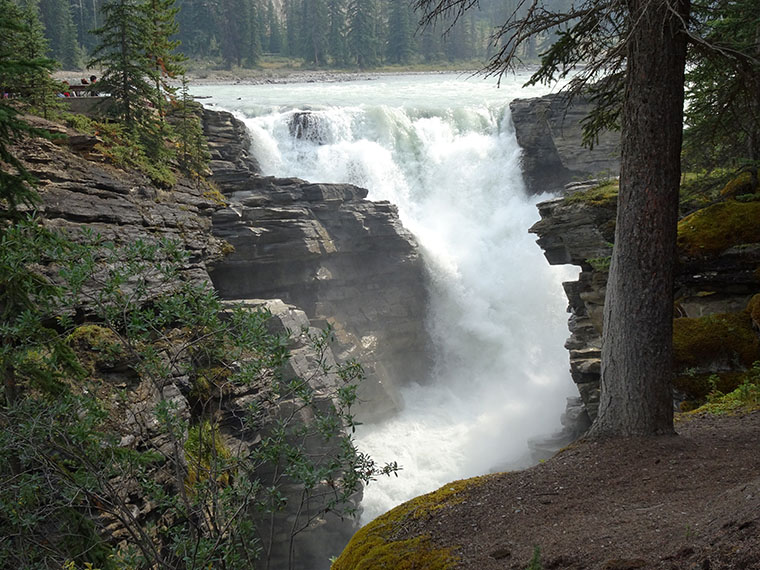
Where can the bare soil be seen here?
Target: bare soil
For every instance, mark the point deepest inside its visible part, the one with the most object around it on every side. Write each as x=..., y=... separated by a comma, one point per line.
x=690, y=501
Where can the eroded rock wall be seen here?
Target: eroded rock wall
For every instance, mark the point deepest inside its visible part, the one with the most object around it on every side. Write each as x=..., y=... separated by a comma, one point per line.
x=712, y=291
x=345, y=260
x=549, y=131
x=80, y=190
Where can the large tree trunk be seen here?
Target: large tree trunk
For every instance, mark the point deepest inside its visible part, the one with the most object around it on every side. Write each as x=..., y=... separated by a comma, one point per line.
x=636, y=397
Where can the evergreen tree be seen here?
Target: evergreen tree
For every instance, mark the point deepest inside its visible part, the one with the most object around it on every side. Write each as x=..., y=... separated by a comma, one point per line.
x=192, y=151
x=15, y=181
x=315, y=31
x=123, y=53
x=198, y=28
x=723, y=85
x=165, y=63
x=337, y=40
x=293, y=27
x=233, y=25
x=58, y=22
x=274, y=44
x=253, y=30
x=362, y=32
x=400, y=32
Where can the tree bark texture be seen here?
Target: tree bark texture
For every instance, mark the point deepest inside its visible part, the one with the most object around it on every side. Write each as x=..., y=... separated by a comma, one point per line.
x=636, y=393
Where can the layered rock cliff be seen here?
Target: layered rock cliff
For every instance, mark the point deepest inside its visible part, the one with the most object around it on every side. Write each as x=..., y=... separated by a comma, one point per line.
x=719, y=252
x=549, y=131
x=347, y=261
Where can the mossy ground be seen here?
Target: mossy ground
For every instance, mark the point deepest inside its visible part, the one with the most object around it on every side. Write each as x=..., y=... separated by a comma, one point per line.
x=726, y=337
x=712, y=230
x=380, y=546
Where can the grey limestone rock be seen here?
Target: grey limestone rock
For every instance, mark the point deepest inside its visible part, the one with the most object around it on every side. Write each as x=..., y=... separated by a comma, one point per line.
x=549, y=131
x=347, y=261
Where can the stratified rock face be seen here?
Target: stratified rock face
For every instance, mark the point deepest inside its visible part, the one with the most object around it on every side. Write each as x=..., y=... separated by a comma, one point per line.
x=232, y=166
x=549, y=132
x=574, y=233
x=79, y=190
x=580, y=232
x=343, y=259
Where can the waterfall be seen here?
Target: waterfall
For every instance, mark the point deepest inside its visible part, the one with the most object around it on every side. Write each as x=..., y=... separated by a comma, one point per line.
x=445, y=153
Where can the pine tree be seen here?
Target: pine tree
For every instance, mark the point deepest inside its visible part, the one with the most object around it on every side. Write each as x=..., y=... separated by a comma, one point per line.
x=274, y=28
x=123, y=53
x=400, y=32
x=192, y=151
x=336, y=40
x=315, y=31
x=362, y=33
x=293, y=27
x=723, y=86
x=58, y=21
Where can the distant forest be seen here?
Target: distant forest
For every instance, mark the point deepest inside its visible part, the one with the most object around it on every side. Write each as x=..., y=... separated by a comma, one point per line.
x=320, y=33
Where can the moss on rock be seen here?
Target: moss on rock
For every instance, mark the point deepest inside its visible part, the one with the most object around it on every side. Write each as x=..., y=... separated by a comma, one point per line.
x=726, y=337
x=744, y=183
x=603, y=195
x=714, y=229
x=380, y=544
x=753, y=308
x=97, y=347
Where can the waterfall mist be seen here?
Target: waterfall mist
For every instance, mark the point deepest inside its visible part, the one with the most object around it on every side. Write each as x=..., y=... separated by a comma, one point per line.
x=443, y=150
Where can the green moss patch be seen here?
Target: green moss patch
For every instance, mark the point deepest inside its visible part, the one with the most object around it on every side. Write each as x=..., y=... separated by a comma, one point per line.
x=726, y=337
x=603, y=195
x=379, y=546
x=753, y=308
x=714, y=229
x=744, y=183
x=96, y=346
x=206, y=454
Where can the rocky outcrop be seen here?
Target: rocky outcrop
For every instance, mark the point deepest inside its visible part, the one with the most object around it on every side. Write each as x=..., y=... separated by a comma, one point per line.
x=712, y=329
x=232, y=165
x=80, y=189
x=549, y=131
x=348, y=262
x=335, y=237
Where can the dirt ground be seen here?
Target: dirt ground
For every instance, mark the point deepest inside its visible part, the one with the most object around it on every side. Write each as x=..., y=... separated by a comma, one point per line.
x=690, y=501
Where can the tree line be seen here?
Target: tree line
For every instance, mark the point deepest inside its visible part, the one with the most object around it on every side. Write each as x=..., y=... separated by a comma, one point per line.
x=335, y=33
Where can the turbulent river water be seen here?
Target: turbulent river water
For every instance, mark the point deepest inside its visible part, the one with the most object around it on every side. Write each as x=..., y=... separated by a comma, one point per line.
x=442, y=148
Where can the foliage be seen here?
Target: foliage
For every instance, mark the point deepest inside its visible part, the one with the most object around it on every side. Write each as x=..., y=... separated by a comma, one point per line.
x=745, y=397
x=62, y=427
x=723, y=111
x=24, y=71
x=535, y=562
x=191, y=148
x=122, y=52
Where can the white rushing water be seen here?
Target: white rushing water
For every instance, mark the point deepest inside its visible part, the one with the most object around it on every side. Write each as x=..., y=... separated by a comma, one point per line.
x=442, y=148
